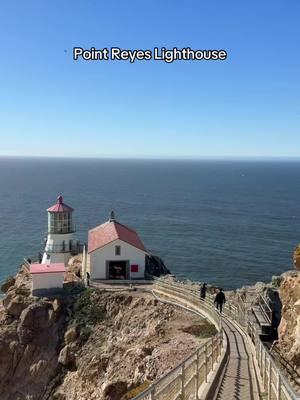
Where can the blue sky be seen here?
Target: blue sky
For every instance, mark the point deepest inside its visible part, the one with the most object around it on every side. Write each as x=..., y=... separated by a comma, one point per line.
x=248, y=105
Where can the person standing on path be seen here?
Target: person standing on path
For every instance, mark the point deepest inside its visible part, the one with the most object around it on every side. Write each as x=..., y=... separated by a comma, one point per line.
x=88, y=279
x=203, y=290
x=220, y=300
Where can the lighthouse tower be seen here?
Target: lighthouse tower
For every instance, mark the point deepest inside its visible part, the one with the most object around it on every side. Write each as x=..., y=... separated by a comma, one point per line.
x=60, y=244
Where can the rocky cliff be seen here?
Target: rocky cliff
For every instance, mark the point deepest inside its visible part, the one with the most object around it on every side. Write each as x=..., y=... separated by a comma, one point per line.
x=31, y=332
x=296, y=257
x=91, y=345
x=289, y=328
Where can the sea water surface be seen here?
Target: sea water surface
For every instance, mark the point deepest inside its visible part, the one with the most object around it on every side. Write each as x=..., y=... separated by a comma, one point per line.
x=229, y=223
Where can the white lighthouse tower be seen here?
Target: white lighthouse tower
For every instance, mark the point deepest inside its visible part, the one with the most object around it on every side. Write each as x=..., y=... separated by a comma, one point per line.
x=60, y=244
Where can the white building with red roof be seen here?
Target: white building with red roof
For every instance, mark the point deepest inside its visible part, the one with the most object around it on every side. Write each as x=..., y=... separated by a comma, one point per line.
x=47, y=277
x=115, y=252
x=60, y=244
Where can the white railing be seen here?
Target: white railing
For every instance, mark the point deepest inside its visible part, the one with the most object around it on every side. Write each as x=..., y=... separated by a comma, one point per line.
x=184, y=381
x=275, y=383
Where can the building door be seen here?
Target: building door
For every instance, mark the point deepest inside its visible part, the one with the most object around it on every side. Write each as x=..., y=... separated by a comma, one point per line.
x=118, y=270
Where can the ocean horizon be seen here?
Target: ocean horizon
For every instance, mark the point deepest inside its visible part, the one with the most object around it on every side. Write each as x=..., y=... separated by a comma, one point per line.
x=228, y=222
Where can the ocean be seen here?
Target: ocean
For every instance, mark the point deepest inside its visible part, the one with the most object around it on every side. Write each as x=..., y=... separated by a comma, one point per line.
x=230, y=223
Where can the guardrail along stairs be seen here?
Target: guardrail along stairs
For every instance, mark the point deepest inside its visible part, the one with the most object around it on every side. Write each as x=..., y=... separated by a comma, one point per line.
x=229, y=366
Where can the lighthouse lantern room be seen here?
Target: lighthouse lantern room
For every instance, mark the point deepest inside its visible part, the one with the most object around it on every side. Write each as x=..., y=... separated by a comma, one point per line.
x=60, y=244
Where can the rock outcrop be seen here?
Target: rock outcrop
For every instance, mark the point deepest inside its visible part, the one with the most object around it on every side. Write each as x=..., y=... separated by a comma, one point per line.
x=89, y=345
x=30, y=333
x=122, y=342
x=296, y=257
x=155, y=266
x=7, y=284
x=289, y=328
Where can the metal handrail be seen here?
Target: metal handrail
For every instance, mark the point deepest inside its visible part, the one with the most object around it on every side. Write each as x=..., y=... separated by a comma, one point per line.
x=212, y=350
x=264, y=359
x=265, y=308
x=67, y=247
x=270, y=373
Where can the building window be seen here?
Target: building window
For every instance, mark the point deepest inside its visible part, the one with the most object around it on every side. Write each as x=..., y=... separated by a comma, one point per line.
x=118, y=250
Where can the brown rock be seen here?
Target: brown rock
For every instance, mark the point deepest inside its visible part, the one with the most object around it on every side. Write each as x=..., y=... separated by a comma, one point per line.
x=67, y=356
x=6, y=358
x=56, y=305
x=38, y=368
x=289, y=328
x=114, y=390
x=14, y=305
x=29, y=345
x=23, y=290
x=71, y=335
x=33, y=320
x=296, y=257
x=108, y=361
x=10, y=281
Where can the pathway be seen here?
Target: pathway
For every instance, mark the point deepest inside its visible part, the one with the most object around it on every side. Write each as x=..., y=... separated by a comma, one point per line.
x=239, y=381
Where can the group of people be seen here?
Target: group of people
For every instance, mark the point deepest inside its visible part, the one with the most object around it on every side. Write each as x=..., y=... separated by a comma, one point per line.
x=219, y=300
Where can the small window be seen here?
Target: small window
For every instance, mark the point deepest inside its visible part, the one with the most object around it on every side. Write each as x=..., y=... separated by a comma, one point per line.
x=118, y=250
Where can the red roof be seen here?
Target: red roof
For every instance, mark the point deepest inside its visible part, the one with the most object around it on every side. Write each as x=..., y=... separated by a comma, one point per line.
x=110, y=231
x=47, y=268
x=60, y=206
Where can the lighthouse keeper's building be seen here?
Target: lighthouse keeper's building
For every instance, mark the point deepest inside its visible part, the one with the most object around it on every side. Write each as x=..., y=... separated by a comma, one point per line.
x=115, y=252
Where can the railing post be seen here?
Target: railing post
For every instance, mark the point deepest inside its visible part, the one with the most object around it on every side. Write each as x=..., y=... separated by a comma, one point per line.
x=197, y=376
x=264, y=370
x=270, y=381
x=182, y=383
x=278, y=387
x=152, y=394
x=260, y=354
x=220, y=343
x=206, y=361
x=212, y=353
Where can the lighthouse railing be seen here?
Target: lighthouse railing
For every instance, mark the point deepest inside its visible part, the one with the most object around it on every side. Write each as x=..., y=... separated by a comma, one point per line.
x=72, y=246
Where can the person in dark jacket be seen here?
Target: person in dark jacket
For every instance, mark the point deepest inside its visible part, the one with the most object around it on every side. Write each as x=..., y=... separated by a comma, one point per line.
x=88, y=279
x=220, y=300
x=203, y=290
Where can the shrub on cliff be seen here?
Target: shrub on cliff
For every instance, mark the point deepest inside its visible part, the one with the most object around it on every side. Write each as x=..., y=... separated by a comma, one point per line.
x=86, y=311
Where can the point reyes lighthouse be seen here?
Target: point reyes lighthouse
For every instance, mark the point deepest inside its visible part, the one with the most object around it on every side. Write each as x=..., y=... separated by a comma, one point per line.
x=60, y=244
x=114, y=252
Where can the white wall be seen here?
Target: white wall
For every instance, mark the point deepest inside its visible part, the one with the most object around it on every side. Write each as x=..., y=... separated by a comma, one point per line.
x=57, y=240
x=99, y=257
x=47, y=281
x=56, y=258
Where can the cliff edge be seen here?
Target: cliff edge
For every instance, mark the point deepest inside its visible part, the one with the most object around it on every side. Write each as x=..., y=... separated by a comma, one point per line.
x=90, y=345
x=289, y=328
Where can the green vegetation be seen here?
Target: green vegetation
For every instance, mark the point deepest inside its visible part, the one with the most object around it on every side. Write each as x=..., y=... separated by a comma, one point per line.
x=86, y=311
x=263, y=396
x=202, y=330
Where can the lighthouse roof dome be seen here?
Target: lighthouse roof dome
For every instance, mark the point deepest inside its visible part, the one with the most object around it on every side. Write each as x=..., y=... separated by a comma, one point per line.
x=60, y=206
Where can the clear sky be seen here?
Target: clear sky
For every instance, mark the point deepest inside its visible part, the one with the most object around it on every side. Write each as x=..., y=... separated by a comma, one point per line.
x=248, y=105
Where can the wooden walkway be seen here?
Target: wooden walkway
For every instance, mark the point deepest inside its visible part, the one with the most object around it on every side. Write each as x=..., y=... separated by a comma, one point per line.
x=239, y=381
